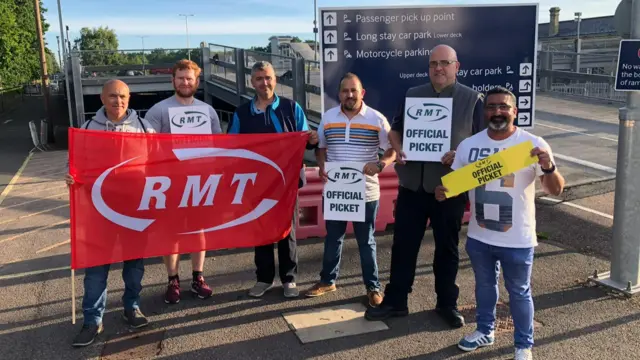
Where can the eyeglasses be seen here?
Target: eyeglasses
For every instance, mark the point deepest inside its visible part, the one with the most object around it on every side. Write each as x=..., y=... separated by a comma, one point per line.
x=501, y=107
x=442, y=63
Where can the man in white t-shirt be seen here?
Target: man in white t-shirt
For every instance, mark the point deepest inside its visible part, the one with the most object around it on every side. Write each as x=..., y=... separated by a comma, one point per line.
x=182, y=113
x=502, y=229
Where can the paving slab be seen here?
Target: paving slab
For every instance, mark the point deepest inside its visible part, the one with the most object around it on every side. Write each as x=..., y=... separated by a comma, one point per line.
x=332, y=322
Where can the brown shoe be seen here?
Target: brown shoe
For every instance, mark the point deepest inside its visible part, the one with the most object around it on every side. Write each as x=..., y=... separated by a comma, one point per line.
x=375, y=298
x=320, y=289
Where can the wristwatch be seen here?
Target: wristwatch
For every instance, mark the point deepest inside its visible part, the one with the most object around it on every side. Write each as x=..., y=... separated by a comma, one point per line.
x=549, y=171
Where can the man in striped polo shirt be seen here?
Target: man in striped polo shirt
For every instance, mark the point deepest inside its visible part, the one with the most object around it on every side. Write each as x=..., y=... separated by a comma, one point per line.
x=353, y=132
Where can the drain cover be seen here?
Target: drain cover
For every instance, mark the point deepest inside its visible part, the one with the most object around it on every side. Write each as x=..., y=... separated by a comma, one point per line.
x=504, y=321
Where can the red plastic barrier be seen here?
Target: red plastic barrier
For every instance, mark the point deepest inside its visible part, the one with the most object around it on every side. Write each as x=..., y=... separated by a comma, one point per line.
x=310, y=217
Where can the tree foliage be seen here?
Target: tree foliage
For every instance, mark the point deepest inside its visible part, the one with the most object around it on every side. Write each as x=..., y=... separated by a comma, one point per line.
x=99, y=47
x=19, y=48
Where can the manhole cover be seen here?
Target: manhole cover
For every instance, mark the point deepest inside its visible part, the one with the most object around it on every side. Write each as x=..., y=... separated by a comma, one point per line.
x=504, y=322
x=134, y=345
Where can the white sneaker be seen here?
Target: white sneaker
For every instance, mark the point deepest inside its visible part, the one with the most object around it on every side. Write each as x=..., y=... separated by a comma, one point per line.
x=523, y=354
x=259, y=289
x=476, y=340
x=290, y=290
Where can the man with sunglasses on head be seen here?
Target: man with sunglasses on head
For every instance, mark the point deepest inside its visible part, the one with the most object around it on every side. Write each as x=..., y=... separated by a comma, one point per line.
x=416, y=203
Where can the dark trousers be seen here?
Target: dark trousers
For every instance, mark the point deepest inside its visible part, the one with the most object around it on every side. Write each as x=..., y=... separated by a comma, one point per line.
x=287, y=257
x=413, y=209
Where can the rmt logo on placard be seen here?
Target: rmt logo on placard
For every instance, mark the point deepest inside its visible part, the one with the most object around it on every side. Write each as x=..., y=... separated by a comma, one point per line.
x=344, y=175
x=190, y=119
x=428, y=112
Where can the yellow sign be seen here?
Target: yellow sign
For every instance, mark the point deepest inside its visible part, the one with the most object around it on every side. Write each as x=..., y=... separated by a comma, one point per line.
x=494, y=167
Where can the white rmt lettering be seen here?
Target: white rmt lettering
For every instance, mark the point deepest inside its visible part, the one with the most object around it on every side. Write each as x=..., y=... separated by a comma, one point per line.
x=149, y=192
x=193, y=190
x=242, y=179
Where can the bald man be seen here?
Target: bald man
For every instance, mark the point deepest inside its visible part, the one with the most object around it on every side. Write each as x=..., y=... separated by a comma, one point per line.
x=416, y=203
x=114, y=115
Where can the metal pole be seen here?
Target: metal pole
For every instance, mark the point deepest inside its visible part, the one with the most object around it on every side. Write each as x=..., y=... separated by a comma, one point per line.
x=143, y=56
x=67, y=64
x=68, y=38
x=59, y=57
x=315, y=31
x=625, y=257
x=186, y=23
x=43, y=66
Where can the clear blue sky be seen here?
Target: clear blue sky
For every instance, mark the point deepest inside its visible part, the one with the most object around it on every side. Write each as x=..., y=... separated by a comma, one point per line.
x=240, y=23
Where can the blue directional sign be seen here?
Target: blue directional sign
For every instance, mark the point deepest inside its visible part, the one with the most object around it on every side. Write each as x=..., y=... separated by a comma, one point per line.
x=628, y=74
x=389, y=47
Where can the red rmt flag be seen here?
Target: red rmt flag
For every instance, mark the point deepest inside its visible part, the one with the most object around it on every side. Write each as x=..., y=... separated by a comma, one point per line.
x=148, y=195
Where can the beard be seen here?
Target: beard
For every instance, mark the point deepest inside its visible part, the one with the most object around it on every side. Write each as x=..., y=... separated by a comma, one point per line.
x=498, y=123
x=349, y=105
x=185, y=93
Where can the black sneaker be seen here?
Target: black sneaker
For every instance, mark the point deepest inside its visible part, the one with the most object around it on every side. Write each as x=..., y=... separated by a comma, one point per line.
x=87, y=334
x=383, y=312
x=135, y=318
x=452, y=316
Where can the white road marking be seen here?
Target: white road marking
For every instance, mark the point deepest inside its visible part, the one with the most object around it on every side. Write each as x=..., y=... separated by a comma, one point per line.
x=585, y=163
x=8, y=121
x=15, y=178
x=2, y=241
x=32, y=201
x=583, y=208
x=33, y=214
x=36, y=272
x=68, y=241
x=577, y=132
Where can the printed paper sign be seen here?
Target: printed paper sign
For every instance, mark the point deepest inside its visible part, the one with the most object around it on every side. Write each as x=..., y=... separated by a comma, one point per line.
x=344, y=192
x=190, y=120
x=427, y=128
x=491, y=168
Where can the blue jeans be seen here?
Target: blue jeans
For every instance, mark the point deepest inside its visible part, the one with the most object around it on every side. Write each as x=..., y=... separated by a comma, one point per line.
x=366, y=244
x=95, y=289
x=516, y=264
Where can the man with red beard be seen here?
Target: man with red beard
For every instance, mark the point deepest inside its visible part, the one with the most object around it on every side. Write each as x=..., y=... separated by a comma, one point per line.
x=169, y=116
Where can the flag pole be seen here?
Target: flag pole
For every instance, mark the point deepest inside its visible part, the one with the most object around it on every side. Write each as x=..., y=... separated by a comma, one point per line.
x=73, y=297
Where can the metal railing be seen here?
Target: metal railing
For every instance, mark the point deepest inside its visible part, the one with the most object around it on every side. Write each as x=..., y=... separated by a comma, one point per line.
x=224, y=115
x=134, y=62
x=588, y=74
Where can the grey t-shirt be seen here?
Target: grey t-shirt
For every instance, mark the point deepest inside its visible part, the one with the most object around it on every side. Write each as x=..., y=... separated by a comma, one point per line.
x=159, y=116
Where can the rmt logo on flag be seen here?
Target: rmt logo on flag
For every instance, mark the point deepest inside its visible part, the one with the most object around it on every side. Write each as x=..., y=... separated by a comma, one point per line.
x=140, y=195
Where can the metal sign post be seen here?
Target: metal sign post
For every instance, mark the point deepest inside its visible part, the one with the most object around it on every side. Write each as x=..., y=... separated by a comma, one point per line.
x=625, y=258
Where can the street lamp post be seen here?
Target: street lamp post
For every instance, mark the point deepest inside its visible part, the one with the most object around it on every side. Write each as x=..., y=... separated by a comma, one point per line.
x=186, y=23
x=578, y=47
x=67, y=65
x=59, y=56
x=143, y=56
x=315, y=31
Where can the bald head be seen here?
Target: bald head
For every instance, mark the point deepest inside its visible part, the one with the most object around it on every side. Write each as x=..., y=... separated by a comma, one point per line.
x=443, y=51
x=443, y=66
x=115, y=99
x=115, y=85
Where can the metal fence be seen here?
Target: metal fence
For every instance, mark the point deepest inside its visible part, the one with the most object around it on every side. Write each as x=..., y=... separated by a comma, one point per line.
x=589, y=74
x=224, y=115
x=10, y=98
x=133, y=62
